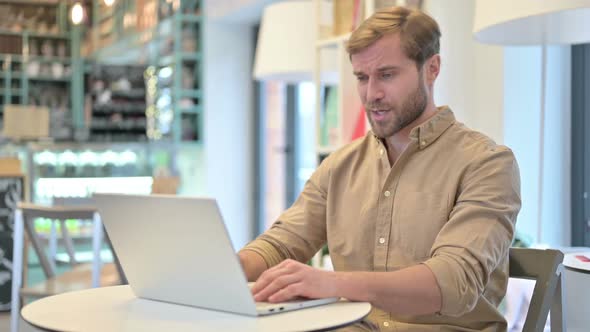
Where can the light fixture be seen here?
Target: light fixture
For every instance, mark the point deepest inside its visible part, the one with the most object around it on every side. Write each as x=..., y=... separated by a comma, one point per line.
x=77, y=13
x=109, y=2
x=286, y=41
x=533, y=22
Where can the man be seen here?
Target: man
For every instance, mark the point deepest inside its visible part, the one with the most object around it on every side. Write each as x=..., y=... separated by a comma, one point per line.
x=418, y=215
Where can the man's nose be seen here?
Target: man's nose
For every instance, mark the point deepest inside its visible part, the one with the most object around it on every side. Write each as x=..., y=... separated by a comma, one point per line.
x=374, y=91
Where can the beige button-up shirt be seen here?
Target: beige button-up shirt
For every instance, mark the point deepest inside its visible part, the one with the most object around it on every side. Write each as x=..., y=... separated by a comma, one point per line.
x=450, y=202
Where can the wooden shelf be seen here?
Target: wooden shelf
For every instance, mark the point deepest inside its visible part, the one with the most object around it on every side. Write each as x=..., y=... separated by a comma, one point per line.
x=20, y=58
x=12, y=75
x=11, y=57
x=13, y=92
x=33, y=2
x=169, y=60
x=49, y=79
x=34, y=34
x=166, y=60
x=126, y=109
x=190, y=94
x=47, y=59
x=48, y=35
x=191, y=56
x=191, y=18
x=131, y=94
x=39, y=78
x=135, y=130
x=197, y=109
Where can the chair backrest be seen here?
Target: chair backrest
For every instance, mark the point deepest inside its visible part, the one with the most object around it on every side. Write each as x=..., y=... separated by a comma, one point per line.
x=544, y=266
x=32, y=211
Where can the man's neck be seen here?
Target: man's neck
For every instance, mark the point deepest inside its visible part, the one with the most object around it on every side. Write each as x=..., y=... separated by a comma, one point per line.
x=398, y=143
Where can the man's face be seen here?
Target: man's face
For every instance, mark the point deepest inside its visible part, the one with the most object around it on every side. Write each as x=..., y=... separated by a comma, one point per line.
x=390, y=86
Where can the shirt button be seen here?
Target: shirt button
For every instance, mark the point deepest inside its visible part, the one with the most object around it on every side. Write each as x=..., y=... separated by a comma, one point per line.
x=423, y=143
x=381, y=240
x=381, y=152
x=387, y=193
x=386, y=324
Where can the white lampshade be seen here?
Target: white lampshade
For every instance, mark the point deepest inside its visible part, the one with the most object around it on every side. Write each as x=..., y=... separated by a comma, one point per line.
x=286, y=41
x=532, y=22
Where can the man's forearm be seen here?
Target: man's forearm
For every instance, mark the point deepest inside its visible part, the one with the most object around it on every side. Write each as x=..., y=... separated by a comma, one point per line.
x=252, y=263
x=410, y=291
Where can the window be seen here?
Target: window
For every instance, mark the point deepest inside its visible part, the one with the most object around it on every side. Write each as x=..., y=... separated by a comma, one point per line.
x=581, y=145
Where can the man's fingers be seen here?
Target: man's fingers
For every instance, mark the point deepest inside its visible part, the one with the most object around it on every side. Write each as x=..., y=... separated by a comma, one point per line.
x=266, y=277
x=276, y=285
x=289, y=280
x=271, y=274
x=288, y=293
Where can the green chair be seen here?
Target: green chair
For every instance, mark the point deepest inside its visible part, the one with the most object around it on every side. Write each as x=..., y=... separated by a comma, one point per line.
x=545, y=267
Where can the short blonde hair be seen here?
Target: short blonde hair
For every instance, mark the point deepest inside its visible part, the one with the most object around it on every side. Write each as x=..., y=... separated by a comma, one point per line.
x=419, y=33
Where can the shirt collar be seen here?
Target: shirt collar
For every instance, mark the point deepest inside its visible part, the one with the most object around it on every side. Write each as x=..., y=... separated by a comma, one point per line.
x=430, y=130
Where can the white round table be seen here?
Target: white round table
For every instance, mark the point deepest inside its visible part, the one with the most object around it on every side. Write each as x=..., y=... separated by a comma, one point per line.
x=576, y=282
x=118, y=309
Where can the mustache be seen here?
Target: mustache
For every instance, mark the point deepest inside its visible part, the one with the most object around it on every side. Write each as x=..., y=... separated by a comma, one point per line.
x=377, y=106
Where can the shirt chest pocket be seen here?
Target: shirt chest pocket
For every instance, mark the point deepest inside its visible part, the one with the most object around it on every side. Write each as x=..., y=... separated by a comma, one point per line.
x=417, y=219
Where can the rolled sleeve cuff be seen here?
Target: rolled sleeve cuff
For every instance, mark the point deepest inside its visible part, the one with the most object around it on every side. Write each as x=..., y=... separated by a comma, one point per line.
x=454, y=300
x=269, y=253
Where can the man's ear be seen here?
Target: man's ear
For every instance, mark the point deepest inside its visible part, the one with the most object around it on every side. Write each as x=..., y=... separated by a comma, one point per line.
x=432, y=69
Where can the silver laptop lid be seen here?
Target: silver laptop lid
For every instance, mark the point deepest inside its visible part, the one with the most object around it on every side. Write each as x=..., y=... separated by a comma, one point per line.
x=176, y=249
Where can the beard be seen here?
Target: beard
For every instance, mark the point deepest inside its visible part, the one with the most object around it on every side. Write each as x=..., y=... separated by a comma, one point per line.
x=411, y=109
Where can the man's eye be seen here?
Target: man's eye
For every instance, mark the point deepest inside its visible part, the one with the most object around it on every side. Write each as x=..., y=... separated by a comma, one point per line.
x=361, y=78
x=386, y=75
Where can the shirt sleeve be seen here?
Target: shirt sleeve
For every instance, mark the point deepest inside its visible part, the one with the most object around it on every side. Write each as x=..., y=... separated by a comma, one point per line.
x=477, y=237
x=301, y=230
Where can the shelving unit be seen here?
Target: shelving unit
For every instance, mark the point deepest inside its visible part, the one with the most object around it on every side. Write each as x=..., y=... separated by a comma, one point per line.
x=336, y=115
x=152, y=32
x=184, y=58
x=116, y=101
x=169, y=46
x=38, y=58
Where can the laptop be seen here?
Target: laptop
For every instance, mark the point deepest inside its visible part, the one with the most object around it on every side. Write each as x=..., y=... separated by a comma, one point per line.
x=176, y=249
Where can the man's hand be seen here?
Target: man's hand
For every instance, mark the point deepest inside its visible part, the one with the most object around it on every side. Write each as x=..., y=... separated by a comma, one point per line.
x=410, y=291
x=291, y=279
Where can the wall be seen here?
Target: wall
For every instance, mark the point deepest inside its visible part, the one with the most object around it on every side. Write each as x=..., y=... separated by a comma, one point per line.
x=228, y=95
x=471, y=77
x=496, y=90
x=522, y=127
x=275, y=145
